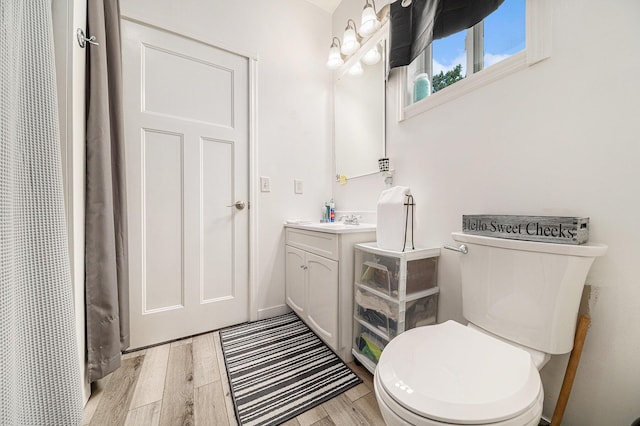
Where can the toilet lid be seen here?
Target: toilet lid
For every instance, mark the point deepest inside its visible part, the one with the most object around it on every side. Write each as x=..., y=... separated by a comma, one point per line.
x=451, y=373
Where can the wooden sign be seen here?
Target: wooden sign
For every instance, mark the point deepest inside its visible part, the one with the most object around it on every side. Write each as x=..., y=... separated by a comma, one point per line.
x=546, y=229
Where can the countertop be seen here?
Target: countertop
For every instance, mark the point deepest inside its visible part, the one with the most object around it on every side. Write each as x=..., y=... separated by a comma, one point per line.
x=333, y=227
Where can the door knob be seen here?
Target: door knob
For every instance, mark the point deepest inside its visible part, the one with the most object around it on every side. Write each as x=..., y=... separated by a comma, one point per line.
x=238, y=205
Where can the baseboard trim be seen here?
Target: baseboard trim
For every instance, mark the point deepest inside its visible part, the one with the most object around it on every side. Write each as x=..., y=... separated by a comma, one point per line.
x=273, y=311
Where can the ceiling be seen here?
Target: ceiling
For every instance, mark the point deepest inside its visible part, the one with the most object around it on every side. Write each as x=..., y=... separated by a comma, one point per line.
x=328, y=5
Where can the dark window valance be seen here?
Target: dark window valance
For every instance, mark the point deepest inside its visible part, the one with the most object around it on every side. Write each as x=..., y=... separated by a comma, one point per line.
x=414, y=27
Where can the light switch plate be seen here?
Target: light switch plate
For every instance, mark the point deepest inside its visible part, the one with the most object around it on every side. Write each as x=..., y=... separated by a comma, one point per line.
x=297, y=186
x=265, y=184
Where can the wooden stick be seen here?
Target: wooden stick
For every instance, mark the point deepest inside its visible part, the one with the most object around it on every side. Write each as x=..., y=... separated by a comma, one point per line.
x=570, y=373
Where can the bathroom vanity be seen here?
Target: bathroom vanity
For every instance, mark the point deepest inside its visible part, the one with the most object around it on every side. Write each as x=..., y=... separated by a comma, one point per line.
x=319, y=278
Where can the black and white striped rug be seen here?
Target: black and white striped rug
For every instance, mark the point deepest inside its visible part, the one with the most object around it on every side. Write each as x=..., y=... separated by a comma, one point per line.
x=278, y=368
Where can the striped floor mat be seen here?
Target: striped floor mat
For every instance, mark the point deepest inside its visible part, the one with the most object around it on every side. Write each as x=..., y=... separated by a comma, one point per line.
x=278, y=368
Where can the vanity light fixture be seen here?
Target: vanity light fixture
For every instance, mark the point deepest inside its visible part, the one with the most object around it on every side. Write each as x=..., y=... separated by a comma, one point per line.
x=335, y=60
x=353, y=39
x=369, y=22
x=356, y=69
x=373, y=56
x=350, y=43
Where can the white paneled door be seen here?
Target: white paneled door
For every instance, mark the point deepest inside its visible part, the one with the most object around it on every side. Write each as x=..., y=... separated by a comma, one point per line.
x=186, y=129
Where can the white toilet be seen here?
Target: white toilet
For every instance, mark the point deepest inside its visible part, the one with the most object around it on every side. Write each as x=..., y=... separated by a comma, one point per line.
x=521, y=299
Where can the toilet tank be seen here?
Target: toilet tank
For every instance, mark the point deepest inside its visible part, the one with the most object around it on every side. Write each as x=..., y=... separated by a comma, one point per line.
x=527, y=292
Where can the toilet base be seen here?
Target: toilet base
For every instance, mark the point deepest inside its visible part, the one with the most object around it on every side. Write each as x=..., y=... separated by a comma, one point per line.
x=396, y=415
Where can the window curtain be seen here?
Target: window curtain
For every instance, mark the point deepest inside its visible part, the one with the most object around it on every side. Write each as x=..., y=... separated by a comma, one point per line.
x=414, y=27
x=39, y=366
x=106, y=261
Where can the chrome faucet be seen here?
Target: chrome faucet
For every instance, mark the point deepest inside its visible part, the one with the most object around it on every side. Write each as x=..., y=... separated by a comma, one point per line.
x=351, y=219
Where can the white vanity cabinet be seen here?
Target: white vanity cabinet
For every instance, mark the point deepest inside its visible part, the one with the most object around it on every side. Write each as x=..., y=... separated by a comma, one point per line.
x=312, y=291
x=296, y=294
x=318, y=280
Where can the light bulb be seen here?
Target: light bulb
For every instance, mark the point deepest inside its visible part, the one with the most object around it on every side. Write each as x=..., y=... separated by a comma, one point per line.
x=350, y=43
x=372, y=57
x=335, y=58
x=356, y=69
x=369, y=22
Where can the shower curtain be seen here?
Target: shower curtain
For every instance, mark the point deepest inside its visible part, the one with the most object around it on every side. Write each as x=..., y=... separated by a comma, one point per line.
x=106, y=261
x=39, y=367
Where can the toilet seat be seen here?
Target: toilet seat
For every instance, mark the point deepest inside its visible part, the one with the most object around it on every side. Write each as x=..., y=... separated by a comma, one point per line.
x=396, y=415
x=450, y=373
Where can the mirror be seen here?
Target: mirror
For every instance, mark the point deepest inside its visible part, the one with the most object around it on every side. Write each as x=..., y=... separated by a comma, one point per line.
x=359, y=108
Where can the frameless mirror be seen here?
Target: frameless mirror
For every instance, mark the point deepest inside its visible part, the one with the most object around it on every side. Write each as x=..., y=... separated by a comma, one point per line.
x=359, y=108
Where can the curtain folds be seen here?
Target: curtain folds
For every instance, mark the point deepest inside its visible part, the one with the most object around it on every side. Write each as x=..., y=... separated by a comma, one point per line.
x=106, y=260
x=413, y=28
x=39, y=366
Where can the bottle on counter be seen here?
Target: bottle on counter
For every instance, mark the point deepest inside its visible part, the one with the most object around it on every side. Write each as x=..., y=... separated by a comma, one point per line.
x=332, y=211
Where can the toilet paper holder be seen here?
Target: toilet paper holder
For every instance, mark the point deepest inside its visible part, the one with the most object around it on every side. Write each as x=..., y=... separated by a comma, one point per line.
x=410, y=204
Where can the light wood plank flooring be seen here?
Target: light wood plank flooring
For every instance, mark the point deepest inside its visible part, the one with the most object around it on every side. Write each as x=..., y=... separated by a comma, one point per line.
x=185, y=383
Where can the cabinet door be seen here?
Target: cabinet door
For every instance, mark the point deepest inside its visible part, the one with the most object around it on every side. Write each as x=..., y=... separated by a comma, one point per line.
x=295, y=285
x=322, y=297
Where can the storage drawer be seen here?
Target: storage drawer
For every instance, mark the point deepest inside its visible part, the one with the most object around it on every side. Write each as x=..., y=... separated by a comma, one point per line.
x=392, y=318
x=320, y=243
x=367, y=343
x=384, y=273
x=421, y=312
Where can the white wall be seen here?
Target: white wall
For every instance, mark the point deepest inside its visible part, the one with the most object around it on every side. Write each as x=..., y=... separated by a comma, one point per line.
x=559, y=138
x=290, y=39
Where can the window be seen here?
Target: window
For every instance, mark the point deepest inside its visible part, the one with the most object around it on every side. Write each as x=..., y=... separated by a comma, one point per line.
x=455, y=58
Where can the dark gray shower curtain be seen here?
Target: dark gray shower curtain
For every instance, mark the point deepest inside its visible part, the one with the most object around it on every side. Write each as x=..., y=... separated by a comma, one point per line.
x=106, y=260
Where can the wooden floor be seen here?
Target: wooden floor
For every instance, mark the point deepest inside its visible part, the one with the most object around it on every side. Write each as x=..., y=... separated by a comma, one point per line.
x=185, y=383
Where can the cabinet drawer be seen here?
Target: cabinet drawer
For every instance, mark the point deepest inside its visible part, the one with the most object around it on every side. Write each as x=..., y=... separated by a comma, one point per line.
x=366, y=342
x=320, y=243
x=385, y=273
x=392, y=318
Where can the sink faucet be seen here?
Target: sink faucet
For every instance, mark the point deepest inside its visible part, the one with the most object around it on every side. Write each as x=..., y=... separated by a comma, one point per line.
x=350, y=220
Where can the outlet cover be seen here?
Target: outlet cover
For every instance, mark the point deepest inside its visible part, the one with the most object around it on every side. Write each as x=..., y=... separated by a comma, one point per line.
x=265, y=184
x=297, y=186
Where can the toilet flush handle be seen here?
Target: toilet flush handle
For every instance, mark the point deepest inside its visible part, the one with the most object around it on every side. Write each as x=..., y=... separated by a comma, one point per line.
x=462, y=249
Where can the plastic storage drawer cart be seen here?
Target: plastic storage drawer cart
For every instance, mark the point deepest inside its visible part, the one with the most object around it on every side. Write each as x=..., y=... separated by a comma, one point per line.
x=393, y=292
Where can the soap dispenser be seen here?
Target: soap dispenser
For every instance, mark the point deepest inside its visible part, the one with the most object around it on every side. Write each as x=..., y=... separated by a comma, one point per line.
x=332, y=211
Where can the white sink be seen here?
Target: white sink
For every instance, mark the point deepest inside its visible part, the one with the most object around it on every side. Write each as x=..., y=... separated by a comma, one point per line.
x=334, y=227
